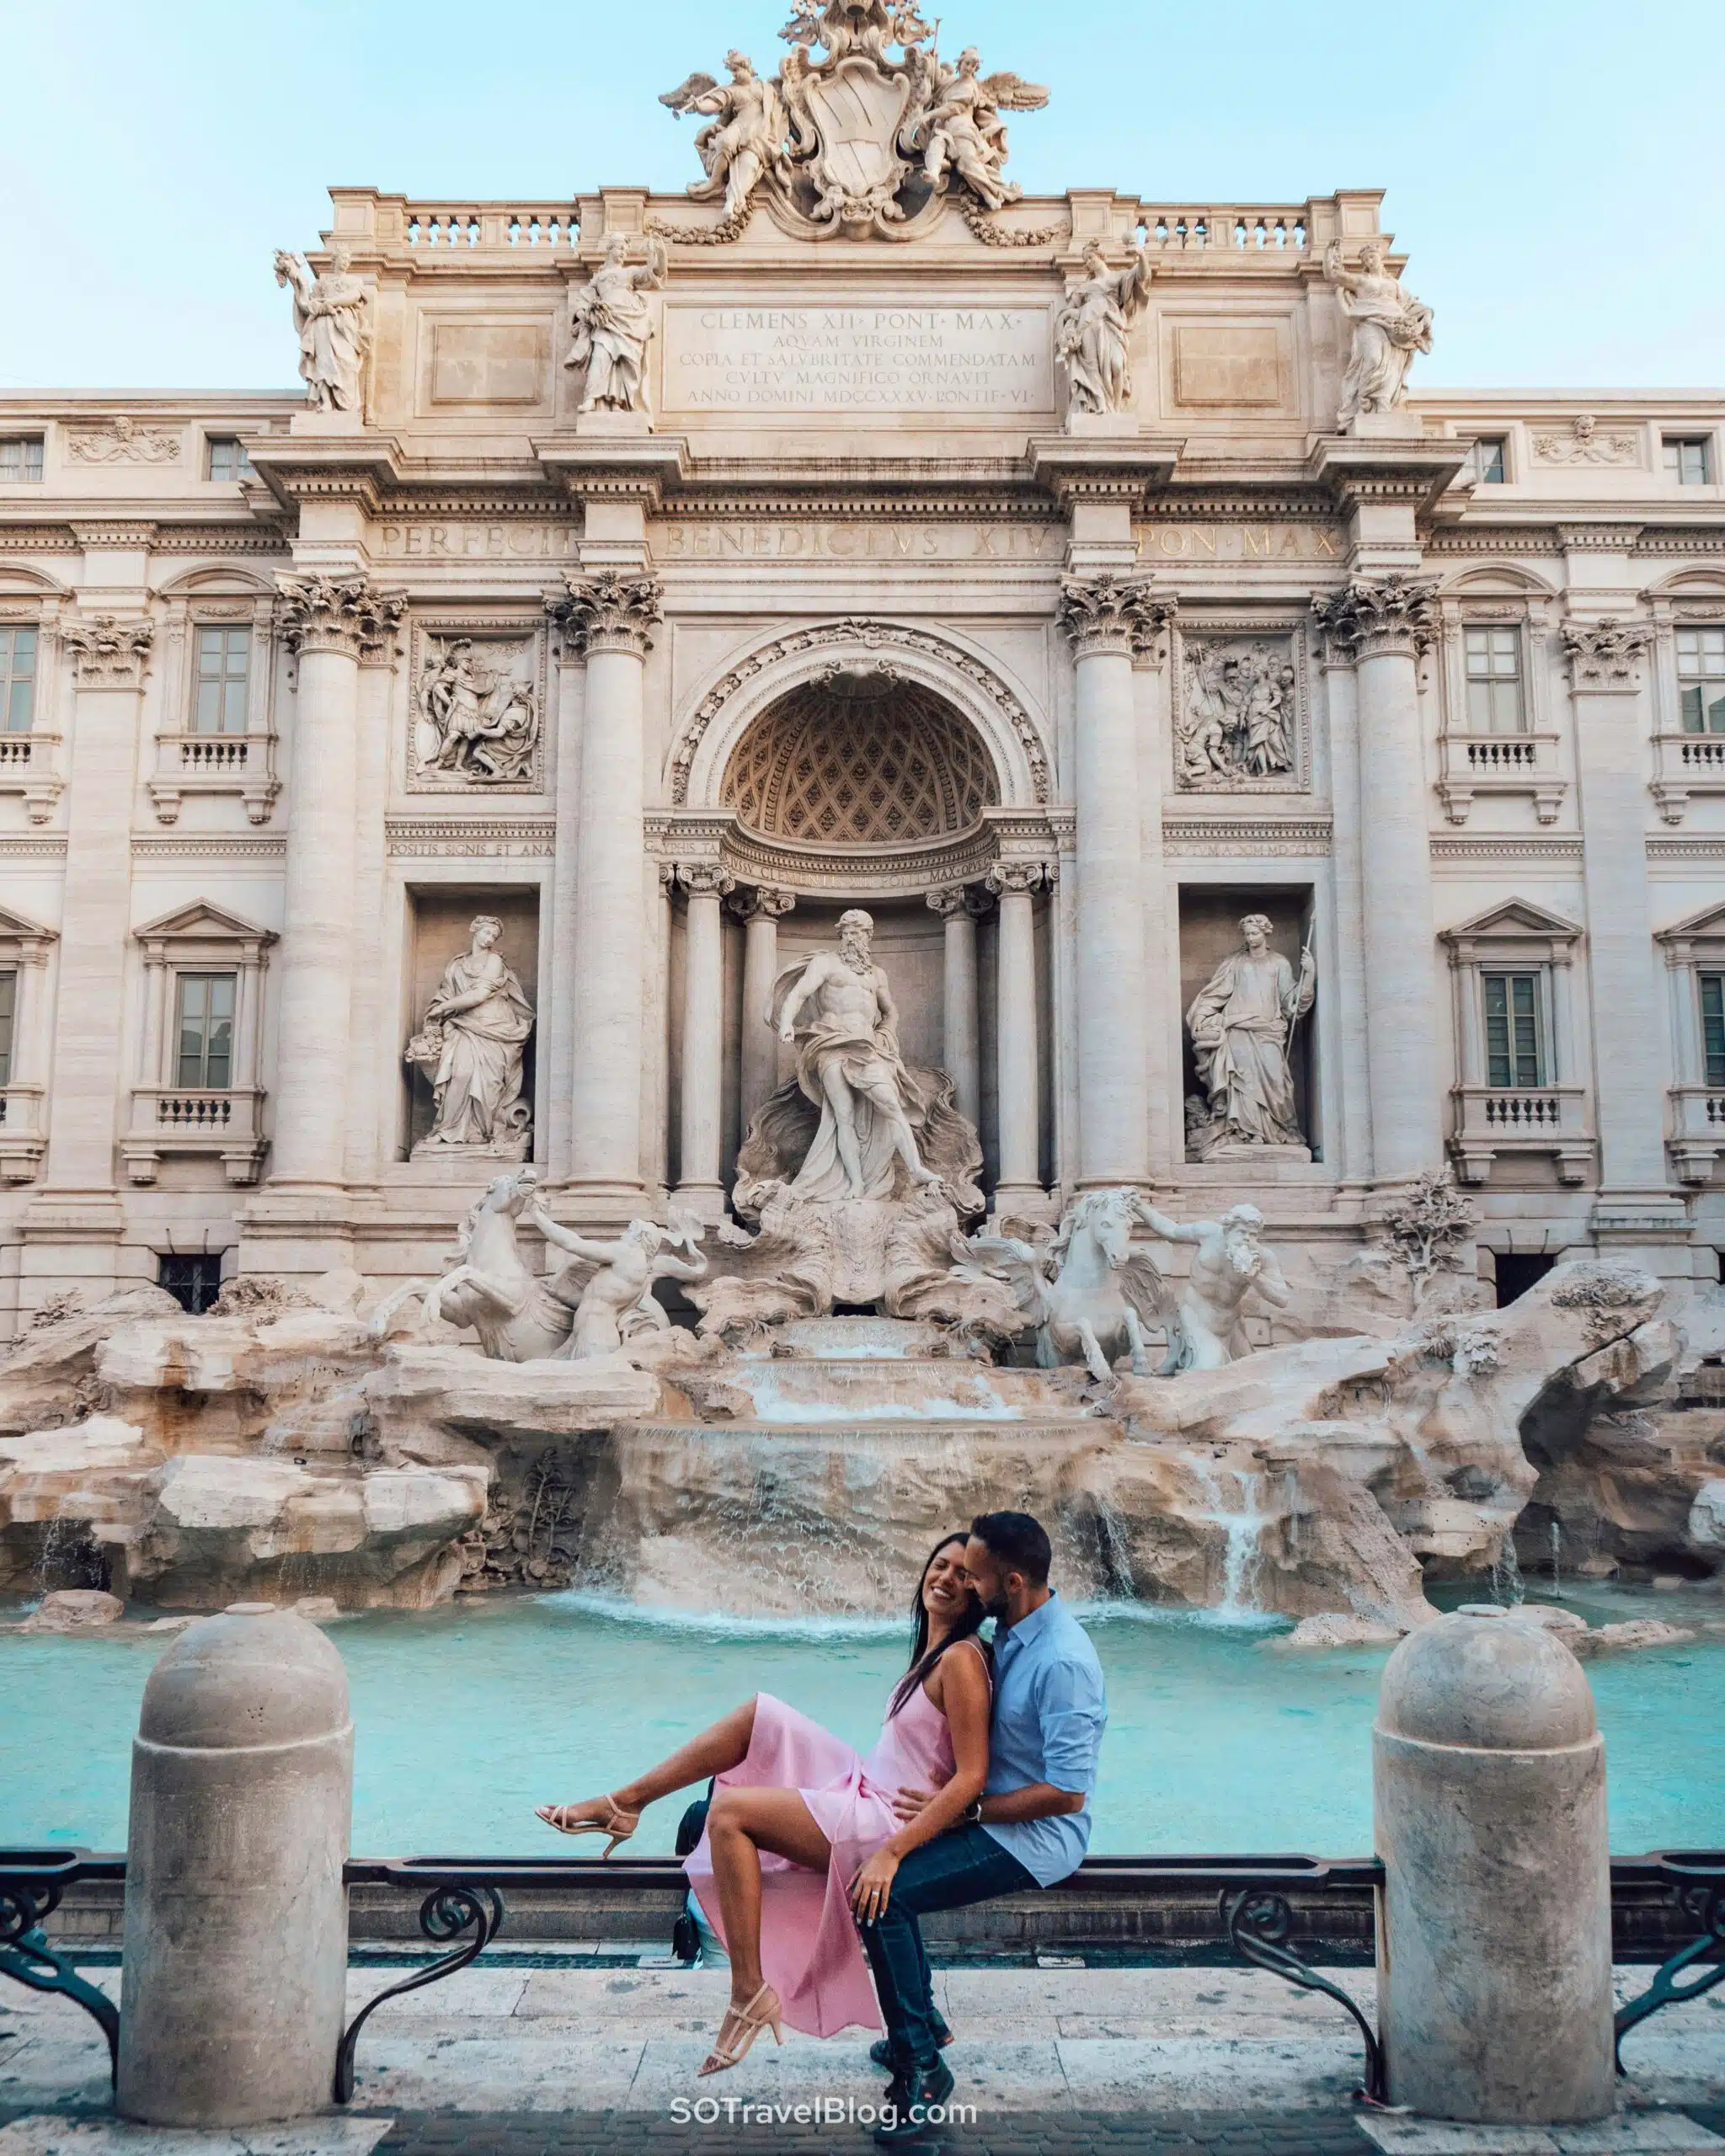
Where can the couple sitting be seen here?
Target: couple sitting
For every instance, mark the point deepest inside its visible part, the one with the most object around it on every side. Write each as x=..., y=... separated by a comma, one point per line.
x=980, y=1786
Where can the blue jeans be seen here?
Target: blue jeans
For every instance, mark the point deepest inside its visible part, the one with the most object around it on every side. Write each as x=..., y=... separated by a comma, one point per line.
x=964, y=1864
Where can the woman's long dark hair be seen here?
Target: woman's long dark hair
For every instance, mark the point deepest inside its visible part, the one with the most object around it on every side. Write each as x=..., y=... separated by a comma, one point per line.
x=923, y=1657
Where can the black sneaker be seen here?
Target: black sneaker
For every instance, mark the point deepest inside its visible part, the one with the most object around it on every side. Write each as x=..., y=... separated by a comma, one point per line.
x=881, y=2051
x=910, y=2098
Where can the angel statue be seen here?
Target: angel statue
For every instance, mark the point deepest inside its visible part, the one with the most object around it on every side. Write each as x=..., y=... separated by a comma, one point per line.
x=610, y=327
x=609, y=1285
x=1090, y=325
x=1390, y=326
x=956, y=121
x=332, y=318
x=745, y=137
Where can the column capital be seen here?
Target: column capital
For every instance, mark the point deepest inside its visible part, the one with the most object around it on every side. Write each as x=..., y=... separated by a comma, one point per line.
x=109, y=652
x=380, y=625
x=342, y=614
x=1110, y=613
x=1375, y=615
x=1604, y=655
x=608, y=611
x=1022, y=876
x=761, y=902
x=948, y=900
x=706, y=879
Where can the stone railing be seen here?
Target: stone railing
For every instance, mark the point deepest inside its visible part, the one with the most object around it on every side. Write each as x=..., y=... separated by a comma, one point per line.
x=214, y=763
x=1231, y=227
x=28, y=766
x=199, y=1122
x=1697, y=1130
x=1685, y=764
x=22, y=1140
x=454, y=228
x=1494, y=1120
x=1472, y=764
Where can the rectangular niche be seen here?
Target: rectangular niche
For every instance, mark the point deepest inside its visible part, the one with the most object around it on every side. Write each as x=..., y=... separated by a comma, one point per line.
x=476, y=704
x=1240, y=709
x=1210, y=915
x=440, y=918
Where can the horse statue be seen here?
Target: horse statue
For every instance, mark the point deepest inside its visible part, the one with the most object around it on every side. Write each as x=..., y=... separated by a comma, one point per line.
x=1087, y=1292
x=515, y=1313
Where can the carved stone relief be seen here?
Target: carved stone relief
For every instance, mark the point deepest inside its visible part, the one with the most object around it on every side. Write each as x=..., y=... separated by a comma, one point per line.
x=1239, y=720
x=855, y=141
x=1583, y=443
x=121, y=440
x=470, y=1047
x=478, y=704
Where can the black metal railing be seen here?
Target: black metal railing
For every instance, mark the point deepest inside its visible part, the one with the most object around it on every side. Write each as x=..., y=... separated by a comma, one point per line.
x=1262, y=1905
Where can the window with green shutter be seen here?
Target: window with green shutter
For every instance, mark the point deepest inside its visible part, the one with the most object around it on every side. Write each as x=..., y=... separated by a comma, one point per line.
x=1700, y=679
x=1712, y=988
x=205, y=1029
x=224, y=667
x=1514, y=1050
x=18, y=679
x=1494, y=698
x=8, y=1013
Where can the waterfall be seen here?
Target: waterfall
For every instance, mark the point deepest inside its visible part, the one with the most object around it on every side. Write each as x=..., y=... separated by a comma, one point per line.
x=1234, y=1499
x=1556, y=1558
x=1507, y=1586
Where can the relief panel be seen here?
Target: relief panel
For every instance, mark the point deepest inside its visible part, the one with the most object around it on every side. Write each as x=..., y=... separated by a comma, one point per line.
x=476, y=706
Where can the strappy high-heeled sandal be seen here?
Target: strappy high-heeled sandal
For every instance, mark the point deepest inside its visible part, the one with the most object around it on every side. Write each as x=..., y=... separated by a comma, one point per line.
x=619, y=1826
x=763, y=2011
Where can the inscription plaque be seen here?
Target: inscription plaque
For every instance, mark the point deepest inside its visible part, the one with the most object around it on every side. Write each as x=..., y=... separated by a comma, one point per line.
x=832, y=359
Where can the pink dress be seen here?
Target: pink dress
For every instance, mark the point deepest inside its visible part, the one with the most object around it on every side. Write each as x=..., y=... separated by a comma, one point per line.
x=810, y=1953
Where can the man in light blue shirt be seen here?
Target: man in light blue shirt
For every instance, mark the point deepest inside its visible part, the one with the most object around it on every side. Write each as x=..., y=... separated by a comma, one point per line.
x=1031, y=1826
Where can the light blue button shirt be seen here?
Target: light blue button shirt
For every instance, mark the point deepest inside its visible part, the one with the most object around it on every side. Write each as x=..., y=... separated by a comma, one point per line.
x=1049, y=1712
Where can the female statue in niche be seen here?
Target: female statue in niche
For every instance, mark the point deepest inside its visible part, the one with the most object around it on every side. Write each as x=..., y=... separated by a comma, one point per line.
x=1241, y=1023
x=471, y=1046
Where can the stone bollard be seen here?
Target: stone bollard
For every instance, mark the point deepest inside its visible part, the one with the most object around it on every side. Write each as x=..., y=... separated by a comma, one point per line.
x=235, y=1975
x=1494, y=1946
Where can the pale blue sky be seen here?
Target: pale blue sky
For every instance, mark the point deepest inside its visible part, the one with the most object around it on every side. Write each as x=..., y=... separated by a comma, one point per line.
x=1553, y=169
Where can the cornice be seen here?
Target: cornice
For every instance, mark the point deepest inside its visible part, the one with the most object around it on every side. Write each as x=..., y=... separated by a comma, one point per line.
x=210, y=847
x=1507, y=846
x=123, y=534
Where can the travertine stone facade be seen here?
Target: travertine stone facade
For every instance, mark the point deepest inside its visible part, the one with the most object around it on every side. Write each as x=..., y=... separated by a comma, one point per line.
x=853, y=590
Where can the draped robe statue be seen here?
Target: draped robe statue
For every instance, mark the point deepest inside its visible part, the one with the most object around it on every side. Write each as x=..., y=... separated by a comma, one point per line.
x=331, y=317
x=471, y=1047
x=1390, y=326
x=1241, y=1021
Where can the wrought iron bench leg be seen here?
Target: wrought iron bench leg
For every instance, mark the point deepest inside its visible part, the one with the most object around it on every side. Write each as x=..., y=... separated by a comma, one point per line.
x=28, y=1959
x=1258, y=1924
x=1708, y=1904
x=444, y=1915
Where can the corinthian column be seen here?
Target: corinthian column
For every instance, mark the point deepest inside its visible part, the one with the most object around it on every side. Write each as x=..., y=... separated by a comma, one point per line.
x=1105, y=618
x=1019, y=1182
x=698, y=1186
x=760, y=908
x=76, y=1208
x=1605, y=660
x=961, y=1028
x=325, y=622
x=1386, y=623
x=610, y=619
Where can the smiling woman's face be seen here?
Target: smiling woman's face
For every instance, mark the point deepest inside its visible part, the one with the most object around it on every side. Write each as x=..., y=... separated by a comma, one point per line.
x=946, y=1585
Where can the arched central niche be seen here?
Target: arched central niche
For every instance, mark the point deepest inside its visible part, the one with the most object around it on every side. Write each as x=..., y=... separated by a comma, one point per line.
x=859, y=759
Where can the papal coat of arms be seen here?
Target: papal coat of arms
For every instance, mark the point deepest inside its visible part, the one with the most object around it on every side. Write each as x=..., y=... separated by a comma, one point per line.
x=869, y=137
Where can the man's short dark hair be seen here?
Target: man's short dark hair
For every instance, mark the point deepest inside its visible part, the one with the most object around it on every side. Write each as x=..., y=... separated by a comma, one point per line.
x=1021, y=1543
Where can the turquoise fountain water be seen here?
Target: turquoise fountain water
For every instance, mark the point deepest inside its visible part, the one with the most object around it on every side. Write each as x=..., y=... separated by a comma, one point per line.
x=469, y=1715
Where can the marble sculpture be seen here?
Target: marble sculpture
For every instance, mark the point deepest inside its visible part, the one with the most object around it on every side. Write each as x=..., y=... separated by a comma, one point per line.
x=332, y=317
x=471, y=1047
x=1241, y=1023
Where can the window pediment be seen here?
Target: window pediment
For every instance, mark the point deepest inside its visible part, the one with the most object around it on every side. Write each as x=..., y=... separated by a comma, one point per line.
x=1514, y=928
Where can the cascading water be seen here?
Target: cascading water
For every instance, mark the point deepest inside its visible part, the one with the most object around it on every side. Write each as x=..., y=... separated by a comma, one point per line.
x=1507, y=1586
x=1557, y=1559
x=1234, y=1502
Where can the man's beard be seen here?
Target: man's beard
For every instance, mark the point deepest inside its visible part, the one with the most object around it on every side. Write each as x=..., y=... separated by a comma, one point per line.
x=855, y=956
x=996, y=1605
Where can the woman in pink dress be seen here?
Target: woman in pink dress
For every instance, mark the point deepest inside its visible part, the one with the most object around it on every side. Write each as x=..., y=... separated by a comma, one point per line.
x=802, y=1839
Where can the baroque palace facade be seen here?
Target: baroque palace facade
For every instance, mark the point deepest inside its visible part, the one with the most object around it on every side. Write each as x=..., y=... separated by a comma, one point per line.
x=438, y=766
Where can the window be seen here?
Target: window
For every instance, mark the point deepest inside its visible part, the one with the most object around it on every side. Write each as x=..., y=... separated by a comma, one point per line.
x=8, y=1015
x=224, y=660
x=20, y=457
x=1491, y=460
x=227, y=458
x=1517, y=1271
x=194, y=1283
x=1514, y=1050
x=18, y=679
x=1712, y=990
x=1700, y=679
x=205, y=1027
x=1494, y=702
x=1689, y=460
